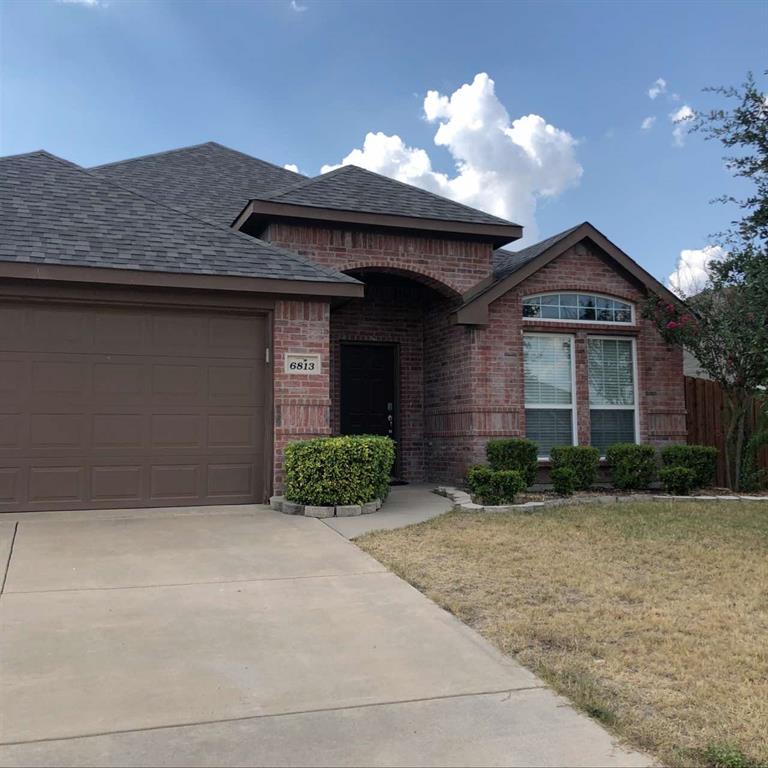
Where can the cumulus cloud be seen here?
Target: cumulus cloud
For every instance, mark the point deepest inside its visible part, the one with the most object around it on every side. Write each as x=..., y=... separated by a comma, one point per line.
x=292, y=167
x=297, y=7
x=648, y=123
x=692, y=270
x=502, y=166
x=659, y=87
x=681, y=119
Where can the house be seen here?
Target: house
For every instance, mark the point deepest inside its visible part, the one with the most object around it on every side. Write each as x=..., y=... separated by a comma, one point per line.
x=168, y=323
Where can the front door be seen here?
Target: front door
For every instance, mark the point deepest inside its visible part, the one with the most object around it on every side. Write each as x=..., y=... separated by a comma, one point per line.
x=368, y=389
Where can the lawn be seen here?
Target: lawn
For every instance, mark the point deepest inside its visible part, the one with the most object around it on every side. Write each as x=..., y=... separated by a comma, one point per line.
x=651, y=617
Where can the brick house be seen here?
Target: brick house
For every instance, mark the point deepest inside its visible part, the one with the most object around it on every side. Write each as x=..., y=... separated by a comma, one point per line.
x=168, y=323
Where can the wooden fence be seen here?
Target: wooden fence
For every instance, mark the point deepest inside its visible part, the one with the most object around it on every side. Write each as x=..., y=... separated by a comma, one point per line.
x=704, y=420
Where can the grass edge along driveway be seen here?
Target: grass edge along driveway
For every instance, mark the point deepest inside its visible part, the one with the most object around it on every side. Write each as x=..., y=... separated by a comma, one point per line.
x=651, y=617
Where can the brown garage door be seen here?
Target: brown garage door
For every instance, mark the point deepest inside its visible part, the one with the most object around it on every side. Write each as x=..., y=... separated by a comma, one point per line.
x=111, y=407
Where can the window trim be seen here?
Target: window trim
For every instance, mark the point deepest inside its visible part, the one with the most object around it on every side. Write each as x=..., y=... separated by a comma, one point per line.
x=632, y=310
x=574, y=399
x=636, y=392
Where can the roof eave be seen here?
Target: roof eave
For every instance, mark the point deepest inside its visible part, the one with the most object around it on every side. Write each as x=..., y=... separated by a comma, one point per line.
x=259, y=212
x=182, y=280
x=475, y=310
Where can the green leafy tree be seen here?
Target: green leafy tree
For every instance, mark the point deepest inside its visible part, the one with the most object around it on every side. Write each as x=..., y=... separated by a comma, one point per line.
x=725, y=326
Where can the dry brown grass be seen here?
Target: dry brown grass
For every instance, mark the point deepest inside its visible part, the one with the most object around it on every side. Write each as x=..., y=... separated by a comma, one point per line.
x=652, y=617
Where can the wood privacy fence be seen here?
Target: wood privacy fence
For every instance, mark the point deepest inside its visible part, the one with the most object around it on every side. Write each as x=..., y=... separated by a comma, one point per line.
x=704, y=420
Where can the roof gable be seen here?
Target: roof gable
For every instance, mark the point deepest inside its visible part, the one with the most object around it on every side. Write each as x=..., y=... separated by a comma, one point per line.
x=208, y=180
x=510, y=269
x=53, y=212
x=351, y=188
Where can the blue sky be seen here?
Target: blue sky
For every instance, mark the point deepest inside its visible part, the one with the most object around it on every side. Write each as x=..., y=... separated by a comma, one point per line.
x=304, y=82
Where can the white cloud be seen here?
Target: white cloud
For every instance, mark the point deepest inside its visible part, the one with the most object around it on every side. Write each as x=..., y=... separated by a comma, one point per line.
x=681, y=119
x=502, y=166
x=292, y=167
x=295, y=6
x=659, y=87
x=89, y=3
x=692, y=272
x=647, y=123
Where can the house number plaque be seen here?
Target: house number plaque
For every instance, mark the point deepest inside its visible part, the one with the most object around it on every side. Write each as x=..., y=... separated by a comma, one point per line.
x=296, y=363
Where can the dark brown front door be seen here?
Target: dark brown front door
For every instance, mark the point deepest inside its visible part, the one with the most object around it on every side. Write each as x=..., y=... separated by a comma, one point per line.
x=368, y=389
x=127, y=407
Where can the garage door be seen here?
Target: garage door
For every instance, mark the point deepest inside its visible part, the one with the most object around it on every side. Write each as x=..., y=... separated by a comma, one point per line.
x=105, y=407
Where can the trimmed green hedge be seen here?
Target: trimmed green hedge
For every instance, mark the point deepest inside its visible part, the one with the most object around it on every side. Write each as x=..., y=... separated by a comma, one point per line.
x=495, y=486
x=564, y=480
x=632, y=466
x=328, y=471
x=514, y=453
x=582, y=459
x=679, y=481
x=700, y=459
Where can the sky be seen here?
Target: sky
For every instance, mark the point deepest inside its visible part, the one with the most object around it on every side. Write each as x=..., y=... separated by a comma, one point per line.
x=545, y=113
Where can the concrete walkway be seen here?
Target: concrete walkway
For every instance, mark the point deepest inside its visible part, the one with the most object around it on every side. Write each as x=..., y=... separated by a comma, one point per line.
x=240, y=636
x=406, y=505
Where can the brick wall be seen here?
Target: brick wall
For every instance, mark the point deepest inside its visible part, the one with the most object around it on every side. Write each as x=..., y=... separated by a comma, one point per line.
x=455, y=264
x=301, y=401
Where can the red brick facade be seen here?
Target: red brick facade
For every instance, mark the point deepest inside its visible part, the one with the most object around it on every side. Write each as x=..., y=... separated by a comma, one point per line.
x=458, y=385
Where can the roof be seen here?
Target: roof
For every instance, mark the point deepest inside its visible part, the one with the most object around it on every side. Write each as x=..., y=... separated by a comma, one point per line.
x=208, y=180
x=511, y=268
x=53, y=212
x=350, y=188
x=506, y=262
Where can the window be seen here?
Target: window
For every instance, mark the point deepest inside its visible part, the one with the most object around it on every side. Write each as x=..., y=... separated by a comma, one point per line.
x=549, y=409
x=577, y=307
x=612, y=395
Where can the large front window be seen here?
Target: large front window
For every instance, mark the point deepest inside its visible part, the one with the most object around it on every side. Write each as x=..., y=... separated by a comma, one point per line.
x=612, y=400
x=549, y=391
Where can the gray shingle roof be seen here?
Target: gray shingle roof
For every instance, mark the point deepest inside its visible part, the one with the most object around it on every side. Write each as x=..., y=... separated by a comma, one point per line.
x=350, y=188
x=506, y=262
x=208, y=180
x=54, y=212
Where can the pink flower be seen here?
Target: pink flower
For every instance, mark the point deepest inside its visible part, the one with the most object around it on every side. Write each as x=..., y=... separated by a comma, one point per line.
x=671, y=325
x=670, y=307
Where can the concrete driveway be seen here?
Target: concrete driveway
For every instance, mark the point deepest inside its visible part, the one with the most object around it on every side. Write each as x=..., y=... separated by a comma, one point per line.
x=240, y=636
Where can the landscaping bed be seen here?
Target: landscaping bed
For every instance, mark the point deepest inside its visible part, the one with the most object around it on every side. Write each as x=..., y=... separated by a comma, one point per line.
x=652, y=617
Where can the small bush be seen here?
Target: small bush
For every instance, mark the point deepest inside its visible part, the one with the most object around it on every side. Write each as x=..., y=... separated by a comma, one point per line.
x=514, y=453
x=493, y=487
x=701, y=459
x=565, y=480
x=479, y=481
x=582, y=459
x=632, y=466
x=678, y=481
x=338, y=470
x=724, y=755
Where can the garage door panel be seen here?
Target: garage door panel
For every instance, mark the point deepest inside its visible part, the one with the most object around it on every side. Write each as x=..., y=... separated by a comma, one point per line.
x=117, y=483
x=119, y=431
x=57, y=483
x=148, y=407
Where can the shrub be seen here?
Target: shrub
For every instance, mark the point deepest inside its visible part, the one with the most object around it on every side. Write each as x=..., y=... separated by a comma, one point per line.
x=494, y=487
x=701, y=459
x=338, y=470
x=514, y=453
x=565, y=480
x=632, y=466
x=582, y=459
x=678, y=481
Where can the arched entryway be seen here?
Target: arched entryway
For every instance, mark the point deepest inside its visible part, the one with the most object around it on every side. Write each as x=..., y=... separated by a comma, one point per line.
x=384, y=351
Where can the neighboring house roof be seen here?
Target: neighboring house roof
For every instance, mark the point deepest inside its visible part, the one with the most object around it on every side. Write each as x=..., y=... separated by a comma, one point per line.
x=54, y=213
x=351, y=188
x=510, y=269
x=208, y=180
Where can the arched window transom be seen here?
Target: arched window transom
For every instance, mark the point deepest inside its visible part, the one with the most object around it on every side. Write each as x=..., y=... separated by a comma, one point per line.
x=577, y=307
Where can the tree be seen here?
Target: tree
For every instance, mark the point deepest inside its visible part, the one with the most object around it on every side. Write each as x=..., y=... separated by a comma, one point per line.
x=725, y=326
